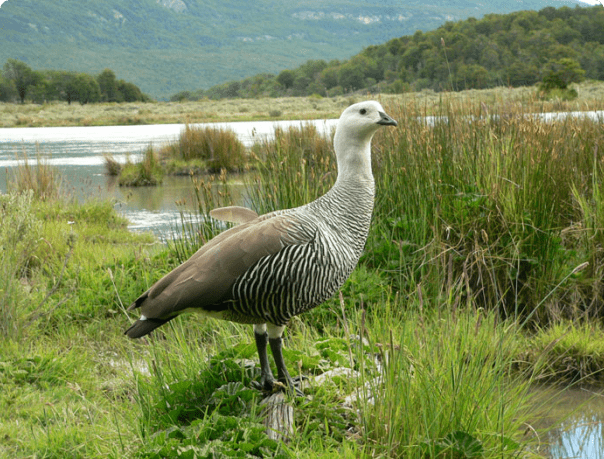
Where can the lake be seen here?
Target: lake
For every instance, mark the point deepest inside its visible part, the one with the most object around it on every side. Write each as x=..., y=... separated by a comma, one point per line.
x=78, y=154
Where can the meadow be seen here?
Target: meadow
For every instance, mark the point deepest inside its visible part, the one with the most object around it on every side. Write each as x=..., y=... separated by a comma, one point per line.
x=590, y=97
x=481, y=277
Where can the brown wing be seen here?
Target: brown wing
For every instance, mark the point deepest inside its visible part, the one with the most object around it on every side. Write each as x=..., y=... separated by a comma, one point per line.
x=206, y=279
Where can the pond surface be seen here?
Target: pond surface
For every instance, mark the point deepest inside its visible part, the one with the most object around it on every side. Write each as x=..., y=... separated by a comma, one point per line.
x=578, y=419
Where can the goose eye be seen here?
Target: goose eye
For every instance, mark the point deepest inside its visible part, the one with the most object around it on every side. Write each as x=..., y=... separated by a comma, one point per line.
x=362, y=111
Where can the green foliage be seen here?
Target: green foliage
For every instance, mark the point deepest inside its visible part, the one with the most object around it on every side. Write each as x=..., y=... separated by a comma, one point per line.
x=82, y=88
x=47, y=85
x=108, y=86
x=488, y=208
x=134, y=39
x=212, y=436
x=562, y=73
x=566, y=351
x=19, y=235
x=466, y=213
x=215, y=412
x=22, y=76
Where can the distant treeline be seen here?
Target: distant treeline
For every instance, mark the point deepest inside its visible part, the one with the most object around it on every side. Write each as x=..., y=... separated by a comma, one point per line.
x=517, y=49
x=19, y=82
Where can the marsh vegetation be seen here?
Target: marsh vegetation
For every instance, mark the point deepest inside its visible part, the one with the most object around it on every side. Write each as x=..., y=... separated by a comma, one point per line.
x=482, y=276
x=590, y=97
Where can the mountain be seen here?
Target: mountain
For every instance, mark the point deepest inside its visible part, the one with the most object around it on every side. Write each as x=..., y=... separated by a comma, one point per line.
x=164, y=46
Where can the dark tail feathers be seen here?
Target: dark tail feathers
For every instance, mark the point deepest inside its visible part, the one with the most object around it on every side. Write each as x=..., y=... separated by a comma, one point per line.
x=144, y=327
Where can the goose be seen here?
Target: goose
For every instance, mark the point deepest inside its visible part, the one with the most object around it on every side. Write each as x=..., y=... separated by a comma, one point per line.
x=272, y=267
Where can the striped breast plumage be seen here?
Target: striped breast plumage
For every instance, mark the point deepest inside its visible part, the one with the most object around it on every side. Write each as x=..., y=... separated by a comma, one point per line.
x=303, y=275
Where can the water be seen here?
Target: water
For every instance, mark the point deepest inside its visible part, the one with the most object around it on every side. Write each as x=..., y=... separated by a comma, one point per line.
x=77, y=153
x=577, y=417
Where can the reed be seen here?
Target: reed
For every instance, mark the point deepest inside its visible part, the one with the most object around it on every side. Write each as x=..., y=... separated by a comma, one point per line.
x=112, y=166
x=41, y=178
x=196, y=228
x=489, y=203
x=446, y=386
x=19, y=236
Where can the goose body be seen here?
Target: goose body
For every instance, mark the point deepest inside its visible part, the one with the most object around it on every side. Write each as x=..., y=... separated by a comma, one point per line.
x=272, y=267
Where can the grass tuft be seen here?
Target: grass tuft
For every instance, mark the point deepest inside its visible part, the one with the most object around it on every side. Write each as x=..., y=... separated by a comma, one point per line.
x=147, y=172
x=218, y=148
x=42, y=178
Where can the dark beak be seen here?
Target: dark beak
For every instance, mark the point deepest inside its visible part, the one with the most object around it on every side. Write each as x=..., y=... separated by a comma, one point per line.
x=385, y=120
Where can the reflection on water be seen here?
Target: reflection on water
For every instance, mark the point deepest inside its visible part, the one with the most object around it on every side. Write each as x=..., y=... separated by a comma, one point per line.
x=574, y=420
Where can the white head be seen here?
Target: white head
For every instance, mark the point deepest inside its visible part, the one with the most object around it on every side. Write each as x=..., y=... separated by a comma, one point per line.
x=352, y=141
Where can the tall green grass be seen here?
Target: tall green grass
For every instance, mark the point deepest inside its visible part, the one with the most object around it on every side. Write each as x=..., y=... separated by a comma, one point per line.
x=481, y=224
x=414, y=385
x=487, y=204
x=19, y=234
x=196, y=228
x=218, y=148
x=448, y=388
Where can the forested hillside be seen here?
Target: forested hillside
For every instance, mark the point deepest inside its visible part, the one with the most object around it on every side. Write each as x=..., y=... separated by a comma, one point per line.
x=164, y=46
x=515, y=49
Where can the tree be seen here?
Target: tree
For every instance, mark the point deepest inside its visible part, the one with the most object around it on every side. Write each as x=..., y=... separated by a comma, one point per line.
x=286, y=78
x=7, y=89
x=329, y=76
x=22, y=76
x=561, y=73
x=129, y=91
x=81, y=87
x=108, y=86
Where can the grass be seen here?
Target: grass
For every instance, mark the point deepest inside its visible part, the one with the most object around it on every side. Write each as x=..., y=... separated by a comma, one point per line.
x=481, y=277
x=302, y=159
x=217, y=148
x=40, y=178
x=147, y=172
x=448, y=388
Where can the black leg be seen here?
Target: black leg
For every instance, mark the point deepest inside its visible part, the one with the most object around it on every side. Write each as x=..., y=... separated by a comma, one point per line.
x=266, y=375
x=282, y=373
